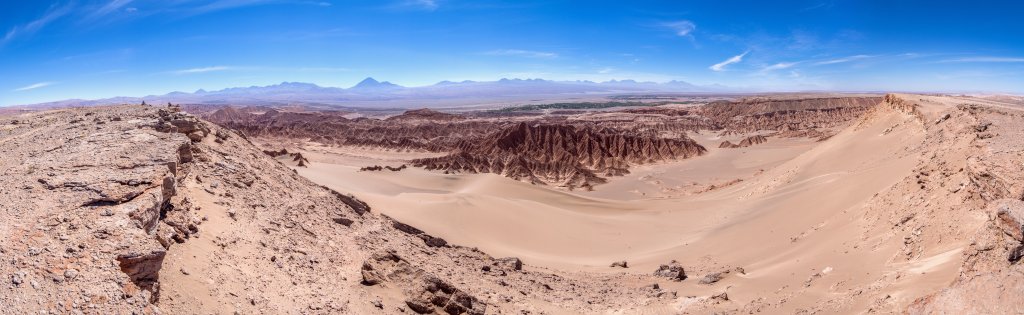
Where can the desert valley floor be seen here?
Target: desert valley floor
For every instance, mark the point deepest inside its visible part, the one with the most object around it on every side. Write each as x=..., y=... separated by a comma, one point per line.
x=778, y=204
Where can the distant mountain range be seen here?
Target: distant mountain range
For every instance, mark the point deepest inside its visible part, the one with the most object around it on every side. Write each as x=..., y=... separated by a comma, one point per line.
x=373, y=93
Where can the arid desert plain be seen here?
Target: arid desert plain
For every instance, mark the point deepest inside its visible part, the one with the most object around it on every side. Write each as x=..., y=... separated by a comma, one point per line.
x=807, y=203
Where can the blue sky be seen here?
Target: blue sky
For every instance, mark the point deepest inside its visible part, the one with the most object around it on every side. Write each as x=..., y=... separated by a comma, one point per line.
x=52, y=50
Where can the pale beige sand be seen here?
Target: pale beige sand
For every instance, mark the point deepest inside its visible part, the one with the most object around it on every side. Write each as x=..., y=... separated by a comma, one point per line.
x=800, y=216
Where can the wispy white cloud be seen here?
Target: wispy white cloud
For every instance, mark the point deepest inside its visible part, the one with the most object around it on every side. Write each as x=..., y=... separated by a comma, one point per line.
x=779, y=66
x=201, y=70
x=682, y=28
x=35, y=86
x=606, y=70
x=109, y=8
x=985, y=59
x=825, y=5
x=321, y=69
x=841, y=60
x=734, y=59
x=522, y=53
x=219, y=5
x=51, y=15
x=429, y=5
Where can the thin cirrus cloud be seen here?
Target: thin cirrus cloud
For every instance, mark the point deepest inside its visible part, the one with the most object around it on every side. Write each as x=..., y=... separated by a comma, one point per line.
x=34, y=26
x=111, y=7
x=522, y=53
x=34, y=86
x=779, y=66
x=841, y=60
x=734, y=59
x=682, y=28
x=985, y=59
x=429, y=5
x=201, y=70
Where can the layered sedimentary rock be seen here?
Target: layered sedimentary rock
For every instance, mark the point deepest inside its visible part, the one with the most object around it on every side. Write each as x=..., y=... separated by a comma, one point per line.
x=92, y=203
x=424, y=130
x=750, y=115
x=423, y=115
x=562, y=155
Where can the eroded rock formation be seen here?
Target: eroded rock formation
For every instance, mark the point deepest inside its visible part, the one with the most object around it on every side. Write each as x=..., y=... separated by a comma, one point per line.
x=746, y=142
x=561, y=155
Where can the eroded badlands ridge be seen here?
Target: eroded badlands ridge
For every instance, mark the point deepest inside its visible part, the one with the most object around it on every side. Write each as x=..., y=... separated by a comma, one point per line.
x=563, y=155
x=567, y=148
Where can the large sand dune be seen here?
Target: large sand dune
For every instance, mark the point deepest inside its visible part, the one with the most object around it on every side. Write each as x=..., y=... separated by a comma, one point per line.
x=797, y=221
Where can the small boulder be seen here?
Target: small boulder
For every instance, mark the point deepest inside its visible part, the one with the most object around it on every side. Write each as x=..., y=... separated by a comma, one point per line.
x=343, y=221
x=672, y=271
x=713, y=277
x=509, y=263
x=622, y=264
x=1016, y=254
x=433, y=241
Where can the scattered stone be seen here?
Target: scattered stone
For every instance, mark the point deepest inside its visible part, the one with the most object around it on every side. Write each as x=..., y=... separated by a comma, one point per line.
x=713, y=277
x=343, y=221
x=17, y=279
x=982, y=127
x=70, y=274
x=621, y=264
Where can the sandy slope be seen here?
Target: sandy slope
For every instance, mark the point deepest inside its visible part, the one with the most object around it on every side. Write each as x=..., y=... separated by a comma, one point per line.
x=794, y=224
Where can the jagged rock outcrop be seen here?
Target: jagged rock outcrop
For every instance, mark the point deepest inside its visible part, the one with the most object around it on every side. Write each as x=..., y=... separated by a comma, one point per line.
x=292, y=157
x=378, y=168
x=562, y=155
x=746, y=142
x=101, y=188
x=991, y=278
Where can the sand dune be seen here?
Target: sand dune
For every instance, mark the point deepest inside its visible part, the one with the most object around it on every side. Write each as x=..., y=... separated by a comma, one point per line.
x=796, y=214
